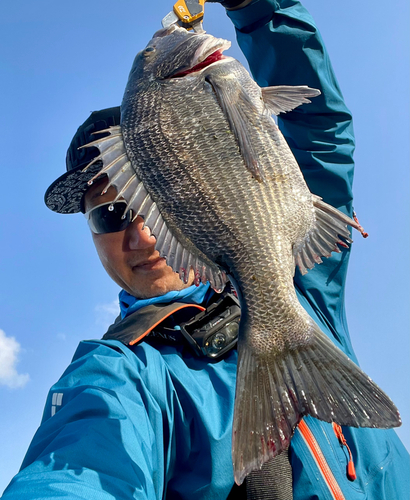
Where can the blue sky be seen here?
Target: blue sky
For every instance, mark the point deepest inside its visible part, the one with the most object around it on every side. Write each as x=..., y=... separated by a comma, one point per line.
x=62, y=60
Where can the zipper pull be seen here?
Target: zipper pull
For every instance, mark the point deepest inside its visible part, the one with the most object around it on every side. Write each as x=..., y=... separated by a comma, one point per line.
x=351, y=471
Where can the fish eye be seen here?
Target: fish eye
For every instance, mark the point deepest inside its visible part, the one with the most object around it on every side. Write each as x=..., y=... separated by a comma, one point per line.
x=149, y=49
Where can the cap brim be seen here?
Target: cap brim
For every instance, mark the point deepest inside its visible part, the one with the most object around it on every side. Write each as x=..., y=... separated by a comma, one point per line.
x=65, y=194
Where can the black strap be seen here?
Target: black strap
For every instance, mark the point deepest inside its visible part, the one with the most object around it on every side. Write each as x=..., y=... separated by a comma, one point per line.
x=273, y=481
x=238, y=492
x=131, y=328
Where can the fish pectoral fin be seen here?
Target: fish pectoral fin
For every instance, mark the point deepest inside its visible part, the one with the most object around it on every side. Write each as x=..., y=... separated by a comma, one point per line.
x=284, y=98
x=329, y=230
x=238, y=110
x=275, y=391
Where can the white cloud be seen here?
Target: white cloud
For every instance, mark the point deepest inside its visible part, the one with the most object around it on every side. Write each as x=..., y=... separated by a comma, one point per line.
x=9, y=349
x=106, y=313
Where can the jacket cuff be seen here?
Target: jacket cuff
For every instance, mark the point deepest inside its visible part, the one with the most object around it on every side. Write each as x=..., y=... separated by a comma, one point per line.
x=235, y=4
x=256, y=14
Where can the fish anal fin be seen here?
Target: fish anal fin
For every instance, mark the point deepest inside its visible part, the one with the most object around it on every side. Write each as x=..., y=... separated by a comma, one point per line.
x=329, y=230
x=284, y=98
x=275, y=391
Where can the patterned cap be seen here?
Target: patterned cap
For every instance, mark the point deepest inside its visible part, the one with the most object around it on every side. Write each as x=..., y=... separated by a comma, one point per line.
x=65, y=194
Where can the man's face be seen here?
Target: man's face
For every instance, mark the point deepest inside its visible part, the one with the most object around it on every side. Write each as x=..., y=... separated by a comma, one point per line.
x=129, y=256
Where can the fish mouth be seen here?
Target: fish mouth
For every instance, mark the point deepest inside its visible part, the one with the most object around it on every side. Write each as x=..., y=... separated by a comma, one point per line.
x=209, y=52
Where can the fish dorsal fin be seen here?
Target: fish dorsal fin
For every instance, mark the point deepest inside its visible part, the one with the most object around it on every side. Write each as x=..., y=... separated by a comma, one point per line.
x=329, y=230
x=183, y=260
x=117, y=166
x=284, y=98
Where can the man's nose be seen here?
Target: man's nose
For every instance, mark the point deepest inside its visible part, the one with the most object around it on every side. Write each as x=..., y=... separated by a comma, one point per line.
x=139, y=237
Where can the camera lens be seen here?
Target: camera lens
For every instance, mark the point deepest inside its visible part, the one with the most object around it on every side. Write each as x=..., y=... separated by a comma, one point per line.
x=232, y=329
x=223, y=338
x=218, y=341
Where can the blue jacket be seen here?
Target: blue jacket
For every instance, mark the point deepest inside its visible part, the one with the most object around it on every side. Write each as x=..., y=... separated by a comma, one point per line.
x=147, y=422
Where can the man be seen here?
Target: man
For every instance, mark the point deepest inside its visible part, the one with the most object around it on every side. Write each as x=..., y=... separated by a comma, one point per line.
x=135, y=416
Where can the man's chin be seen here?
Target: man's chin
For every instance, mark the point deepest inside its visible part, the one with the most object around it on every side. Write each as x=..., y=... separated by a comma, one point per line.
x=159, y=285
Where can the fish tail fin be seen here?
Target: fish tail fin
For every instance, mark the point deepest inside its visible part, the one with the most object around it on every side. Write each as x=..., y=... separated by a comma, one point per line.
x=273, y=393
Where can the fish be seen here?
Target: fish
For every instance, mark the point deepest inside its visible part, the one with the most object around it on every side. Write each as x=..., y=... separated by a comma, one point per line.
x=199, y=156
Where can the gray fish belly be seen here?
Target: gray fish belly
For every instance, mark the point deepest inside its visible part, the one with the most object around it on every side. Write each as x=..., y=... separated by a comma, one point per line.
x=229, y=188
x=184, y=151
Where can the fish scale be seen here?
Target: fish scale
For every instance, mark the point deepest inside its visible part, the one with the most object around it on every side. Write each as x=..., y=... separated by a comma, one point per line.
x=229, y=193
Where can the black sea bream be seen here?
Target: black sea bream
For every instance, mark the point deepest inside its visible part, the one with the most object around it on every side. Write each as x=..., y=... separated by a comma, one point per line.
x=199, y=156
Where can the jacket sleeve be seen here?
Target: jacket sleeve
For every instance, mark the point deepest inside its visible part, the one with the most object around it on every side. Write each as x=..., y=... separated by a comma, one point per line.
x=283, y=47
x=95, y=439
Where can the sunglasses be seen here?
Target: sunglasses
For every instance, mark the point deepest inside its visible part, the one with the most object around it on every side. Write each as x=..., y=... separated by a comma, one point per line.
x=109, y=217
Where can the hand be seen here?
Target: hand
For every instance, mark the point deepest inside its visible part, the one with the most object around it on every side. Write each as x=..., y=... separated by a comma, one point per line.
x=231, y=4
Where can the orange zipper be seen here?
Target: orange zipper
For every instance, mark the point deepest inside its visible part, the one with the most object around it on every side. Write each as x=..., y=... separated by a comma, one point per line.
x=351, y=471
x=320, y=460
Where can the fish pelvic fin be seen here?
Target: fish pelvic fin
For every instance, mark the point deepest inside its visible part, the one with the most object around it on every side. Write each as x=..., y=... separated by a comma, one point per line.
x=284, y=98
x=274, y=392
x=329, y=230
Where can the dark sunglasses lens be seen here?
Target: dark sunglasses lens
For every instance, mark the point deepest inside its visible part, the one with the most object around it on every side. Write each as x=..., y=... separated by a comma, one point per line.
x=109, y=218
